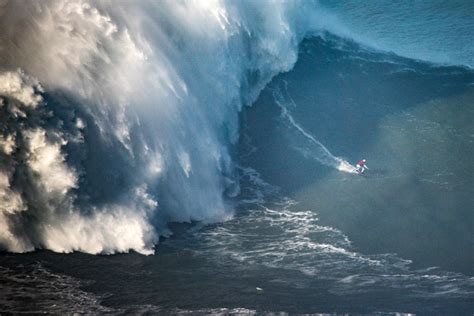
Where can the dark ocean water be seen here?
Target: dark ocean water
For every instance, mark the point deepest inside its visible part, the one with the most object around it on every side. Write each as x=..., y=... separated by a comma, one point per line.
x=307, y=238
x=411, y=120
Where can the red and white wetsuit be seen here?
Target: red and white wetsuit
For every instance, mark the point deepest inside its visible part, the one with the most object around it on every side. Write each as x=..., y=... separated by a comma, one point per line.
x=360, y=167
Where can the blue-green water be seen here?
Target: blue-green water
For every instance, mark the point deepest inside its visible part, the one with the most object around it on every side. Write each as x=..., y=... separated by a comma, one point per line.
x=306, y=237
x=398, y=239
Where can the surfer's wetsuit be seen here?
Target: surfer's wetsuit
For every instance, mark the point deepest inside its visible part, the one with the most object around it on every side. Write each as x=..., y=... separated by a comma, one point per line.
x=361, y=166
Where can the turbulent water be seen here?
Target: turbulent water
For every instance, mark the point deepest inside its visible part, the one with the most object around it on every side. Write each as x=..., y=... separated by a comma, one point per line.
x=122, y=122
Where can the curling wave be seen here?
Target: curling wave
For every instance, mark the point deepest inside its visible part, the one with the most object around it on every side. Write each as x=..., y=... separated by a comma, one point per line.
x=119, y=119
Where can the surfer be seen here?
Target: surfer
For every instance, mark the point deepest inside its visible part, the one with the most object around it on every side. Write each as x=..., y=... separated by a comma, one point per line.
x=361, y=166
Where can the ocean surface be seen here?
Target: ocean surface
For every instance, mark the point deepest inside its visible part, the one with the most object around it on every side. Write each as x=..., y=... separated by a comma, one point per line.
x=197, y=157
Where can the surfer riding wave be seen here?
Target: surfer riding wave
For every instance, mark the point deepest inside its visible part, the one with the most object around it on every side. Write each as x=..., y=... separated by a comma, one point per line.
x=361, y=166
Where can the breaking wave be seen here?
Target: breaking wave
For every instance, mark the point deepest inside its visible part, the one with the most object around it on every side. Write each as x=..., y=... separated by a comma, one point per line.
x=117, y=119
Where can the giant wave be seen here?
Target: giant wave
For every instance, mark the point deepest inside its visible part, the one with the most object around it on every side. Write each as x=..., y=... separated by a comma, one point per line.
x=117, y=119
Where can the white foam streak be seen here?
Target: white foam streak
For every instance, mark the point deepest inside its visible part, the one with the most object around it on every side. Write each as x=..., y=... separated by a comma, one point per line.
x=310, y=147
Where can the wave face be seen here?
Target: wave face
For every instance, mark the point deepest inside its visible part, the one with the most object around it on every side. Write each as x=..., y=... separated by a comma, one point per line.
x=411, y=120
x=302, y=140
x=119, y=119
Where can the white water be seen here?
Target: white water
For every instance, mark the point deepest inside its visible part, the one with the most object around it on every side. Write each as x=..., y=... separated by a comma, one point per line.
x=139, y=113
x=141, y=110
